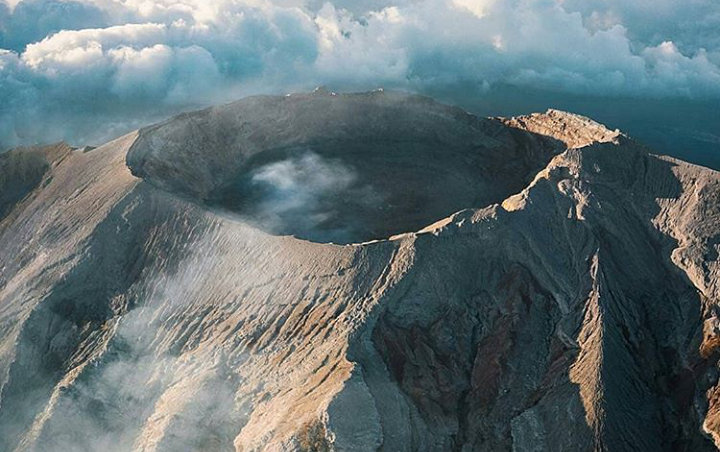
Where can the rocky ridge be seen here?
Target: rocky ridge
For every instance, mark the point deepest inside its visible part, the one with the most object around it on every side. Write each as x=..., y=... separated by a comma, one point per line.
x=569, y=303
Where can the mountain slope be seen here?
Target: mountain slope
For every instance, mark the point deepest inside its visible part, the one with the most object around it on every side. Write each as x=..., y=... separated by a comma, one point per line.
x=569, y=304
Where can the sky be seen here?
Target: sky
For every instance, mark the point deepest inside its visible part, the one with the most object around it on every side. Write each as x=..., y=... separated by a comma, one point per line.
x=85, y=71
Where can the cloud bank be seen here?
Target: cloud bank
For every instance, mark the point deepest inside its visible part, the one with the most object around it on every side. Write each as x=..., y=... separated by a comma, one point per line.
x=87, y=70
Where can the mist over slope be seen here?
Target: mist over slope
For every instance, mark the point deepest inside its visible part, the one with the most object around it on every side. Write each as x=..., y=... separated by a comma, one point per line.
x=535, y=283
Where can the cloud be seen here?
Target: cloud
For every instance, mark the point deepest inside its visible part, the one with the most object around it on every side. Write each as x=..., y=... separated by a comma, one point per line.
x=33, y=20
x=692, y=25
x=86, y=69
x=86, y=85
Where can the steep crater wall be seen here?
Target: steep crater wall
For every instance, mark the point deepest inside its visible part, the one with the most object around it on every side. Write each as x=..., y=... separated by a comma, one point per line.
x=339, y=167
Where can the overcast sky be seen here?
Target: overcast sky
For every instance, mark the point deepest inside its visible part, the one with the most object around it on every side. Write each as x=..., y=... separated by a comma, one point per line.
x=86, y=70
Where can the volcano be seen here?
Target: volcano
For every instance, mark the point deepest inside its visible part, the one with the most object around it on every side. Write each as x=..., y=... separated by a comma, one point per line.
x=357, y=272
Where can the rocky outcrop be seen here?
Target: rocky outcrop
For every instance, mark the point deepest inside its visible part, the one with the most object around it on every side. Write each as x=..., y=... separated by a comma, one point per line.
x=567, y=301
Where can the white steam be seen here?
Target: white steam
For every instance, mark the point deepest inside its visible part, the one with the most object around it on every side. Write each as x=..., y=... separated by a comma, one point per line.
x=298, y=186
x=309, y=196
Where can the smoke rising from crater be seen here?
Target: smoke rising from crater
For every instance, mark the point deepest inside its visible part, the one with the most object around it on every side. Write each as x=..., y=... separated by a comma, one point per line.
x=305, y=195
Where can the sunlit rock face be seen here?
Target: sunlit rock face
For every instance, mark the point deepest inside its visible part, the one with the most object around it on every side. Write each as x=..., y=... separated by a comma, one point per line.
x=533, y=283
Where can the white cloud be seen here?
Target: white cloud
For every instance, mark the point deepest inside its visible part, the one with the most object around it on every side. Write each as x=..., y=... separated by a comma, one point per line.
x=477, y=7
x=129, y=61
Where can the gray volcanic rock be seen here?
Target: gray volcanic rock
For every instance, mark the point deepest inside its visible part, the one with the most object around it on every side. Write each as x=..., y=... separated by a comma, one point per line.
x=21, y=170
x=565, y=296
